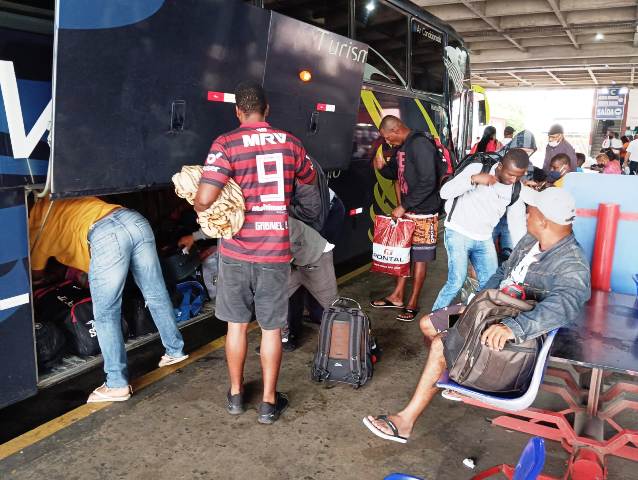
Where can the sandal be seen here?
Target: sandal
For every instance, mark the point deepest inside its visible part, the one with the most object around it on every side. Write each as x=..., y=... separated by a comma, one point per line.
x=100, y=394
x=408, y=315
x=384, y=303
x=395, y=437
x=167, y=360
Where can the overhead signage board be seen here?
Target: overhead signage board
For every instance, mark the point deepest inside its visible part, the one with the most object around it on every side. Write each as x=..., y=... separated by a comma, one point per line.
x=610, y=103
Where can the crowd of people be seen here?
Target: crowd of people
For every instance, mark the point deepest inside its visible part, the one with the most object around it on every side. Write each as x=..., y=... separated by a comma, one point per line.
x=279, y=250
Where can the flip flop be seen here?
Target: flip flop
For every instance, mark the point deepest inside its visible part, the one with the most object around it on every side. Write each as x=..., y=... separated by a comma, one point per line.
x=395, y=437
x=97, y=396
x=412, y=312
x=386, y=304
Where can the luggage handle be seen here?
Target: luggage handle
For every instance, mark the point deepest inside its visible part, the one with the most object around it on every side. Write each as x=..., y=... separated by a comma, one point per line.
x=340, y=299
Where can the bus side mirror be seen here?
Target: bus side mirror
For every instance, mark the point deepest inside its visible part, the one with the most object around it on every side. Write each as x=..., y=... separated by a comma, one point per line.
x=482, y=112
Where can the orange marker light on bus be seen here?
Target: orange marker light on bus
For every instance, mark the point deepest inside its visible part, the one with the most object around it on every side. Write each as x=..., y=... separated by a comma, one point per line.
x=305, y=76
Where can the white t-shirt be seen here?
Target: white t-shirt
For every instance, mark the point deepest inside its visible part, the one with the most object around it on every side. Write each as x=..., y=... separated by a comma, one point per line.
x=615, y=144
x=632, y=149
x=517, y=276
x=506, y=141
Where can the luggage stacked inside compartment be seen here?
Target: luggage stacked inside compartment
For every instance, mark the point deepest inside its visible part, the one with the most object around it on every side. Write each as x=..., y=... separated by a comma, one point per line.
x=64, y=323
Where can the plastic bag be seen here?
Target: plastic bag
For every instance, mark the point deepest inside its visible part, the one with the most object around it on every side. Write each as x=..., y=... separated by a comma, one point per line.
x=391, y=246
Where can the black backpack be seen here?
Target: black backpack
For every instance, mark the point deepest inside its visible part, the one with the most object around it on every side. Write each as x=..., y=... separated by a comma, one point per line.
x=487, y=160
x=345, y=346
x=443, y=156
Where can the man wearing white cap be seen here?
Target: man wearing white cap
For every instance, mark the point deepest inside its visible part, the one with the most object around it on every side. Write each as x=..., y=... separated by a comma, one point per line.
x=548, y=264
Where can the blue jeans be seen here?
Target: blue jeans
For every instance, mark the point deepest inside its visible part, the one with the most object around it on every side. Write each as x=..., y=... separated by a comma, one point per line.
x=460, y=249
x=119, y=241
x=502, y=234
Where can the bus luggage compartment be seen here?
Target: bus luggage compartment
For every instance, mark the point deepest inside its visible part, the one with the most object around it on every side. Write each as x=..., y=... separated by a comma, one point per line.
x=137, y=97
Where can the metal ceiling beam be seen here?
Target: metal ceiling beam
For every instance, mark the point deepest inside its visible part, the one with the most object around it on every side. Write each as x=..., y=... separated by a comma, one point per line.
x=522, y=80
x=593, y=77
x=561, y=19
x=633, y=69
x=555, y=77
x=492, y=24
x=486, y=80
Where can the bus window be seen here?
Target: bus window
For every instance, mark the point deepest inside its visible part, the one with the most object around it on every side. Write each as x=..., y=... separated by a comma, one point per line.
x=458, y=67
x=428, y=68
x=385, y=30
x=331, y=15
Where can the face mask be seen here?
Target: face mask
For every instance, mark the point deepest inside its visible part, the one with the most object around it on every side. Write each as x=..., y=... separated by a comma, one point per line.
x=553, y=176
x=553, y=144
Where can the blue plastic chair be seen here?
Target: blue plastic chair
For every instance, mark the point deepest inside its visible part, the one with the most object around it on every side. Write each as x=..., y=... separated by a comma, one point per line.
x=510, y=404
x=401, y=476
x=529, y=466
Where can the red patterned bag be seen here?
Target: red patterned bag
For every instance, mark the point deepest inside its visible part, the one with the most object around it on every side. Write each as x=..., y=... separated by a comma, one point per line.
x=391, y=246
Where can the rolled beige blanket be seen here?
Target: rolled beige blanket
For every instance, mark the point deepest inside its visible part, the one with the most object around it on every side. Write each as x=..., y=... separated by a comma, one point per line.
x=225, y=217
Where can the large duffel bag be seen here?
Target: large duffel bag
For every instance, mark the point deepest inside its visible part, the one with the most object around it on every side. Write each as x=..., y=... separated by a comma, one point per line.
x=70, y=307
x=345, y=346
x=472, y=364
x=50, y=344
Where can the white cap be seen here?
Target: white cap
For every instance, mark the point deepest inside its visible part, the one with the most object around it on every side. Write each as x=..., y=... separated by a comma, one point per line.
x=555, y=203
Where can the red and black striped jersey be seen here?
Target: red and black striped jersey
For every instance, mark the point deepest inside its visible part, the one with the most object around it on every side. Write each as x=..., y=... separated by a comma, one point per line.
x=265, y=162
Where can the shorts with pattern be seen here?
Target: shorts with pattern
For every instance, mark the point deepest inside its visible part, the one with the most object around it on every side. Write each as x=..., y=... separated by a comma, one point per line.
x=425, y=237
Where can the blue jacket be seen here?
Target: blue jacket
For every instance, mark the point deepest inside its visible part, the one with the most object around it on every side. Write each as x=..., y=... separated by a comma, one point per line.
x=559, y=280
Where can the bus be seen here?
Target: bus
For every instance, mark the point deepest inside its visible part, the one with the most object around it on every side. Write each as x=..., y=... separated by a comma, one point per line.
x=104, y=99
x=417, y=69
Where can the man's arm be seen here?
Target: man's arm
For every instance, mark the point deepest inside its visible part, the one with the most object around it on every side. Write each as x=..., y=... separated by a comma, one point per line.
x=571, y=289
x=216, y=172
x=461, y=183
x=207, y=194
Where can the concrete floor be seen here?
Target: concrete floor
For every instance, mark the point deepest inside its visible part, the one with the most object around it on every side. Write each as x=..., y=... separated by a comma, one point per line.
x=178, y=428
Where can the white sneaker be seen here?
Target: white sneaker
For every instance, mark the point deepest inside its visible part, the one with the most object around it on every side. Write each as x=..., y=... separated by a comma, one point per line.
x=167, y=360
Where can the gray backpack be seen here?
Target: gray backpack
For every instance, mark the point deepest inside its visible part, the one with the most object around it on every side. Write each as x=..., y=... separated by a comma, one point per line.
x=472, y=364
x=345, y=345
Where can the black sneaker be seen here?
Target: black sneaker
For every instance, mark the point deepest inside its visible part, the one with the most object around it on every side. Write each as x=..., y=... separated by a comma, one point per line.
x=234, y=404
x=289, y=345
x=269, y=413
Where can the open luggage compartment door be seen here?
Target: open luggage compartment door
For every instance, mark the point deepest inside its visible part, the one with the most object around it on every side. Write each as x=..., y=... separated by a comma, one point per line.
x=141, y=87
x=18, y=375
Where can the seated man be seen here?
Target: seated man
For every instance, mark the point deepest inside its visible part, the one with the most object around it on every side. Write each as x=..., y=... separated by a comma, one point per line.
x=549, y=262
x=106, y=241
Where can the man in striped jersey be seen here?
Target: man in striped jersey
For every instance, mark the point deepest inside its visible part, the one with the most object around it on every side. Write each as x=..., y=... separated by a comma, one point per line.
x=255, y=264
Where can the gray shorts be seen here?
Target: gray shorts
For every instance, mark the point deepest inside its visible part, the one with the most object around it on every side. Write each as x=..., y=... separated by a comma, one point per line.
x=245, y=289
x=319, y=279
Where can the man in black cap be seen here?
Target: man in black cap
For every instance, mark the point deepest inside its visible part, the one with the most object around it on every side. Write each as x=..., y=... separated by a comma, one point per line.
x=557, y=144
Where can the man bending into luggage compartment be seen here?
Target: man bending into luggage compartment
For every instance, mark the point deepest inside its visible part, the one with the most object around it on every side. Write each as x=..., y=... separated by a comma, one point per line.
x=107, y=240
x=548, y=262
x=255, y=264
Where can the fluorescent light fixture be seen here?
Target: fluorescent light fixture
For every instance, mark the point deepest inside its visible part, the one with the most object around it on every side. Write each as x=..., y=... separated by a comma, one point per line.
x=613, y=82
x=370, y=6
x=600, y=36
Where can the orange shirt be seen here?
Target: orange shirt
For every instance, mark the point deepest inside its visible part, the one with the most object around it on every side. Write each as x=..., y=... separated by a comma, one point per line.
x=65, y=232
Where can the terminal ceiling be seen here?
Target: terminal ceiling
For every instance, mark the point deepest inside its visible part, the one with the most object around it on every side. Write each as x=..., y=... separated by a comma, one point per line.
x=546, y=43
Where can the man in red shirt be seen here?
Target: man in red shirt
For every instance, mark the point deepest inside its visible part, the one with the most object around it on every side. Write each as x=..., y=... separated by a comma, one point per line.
x=255, y=264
